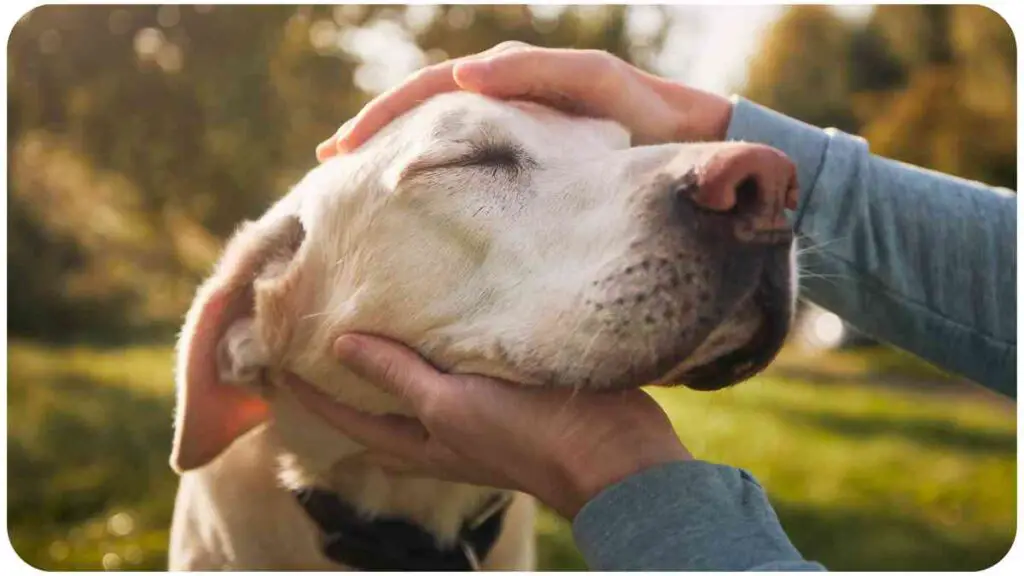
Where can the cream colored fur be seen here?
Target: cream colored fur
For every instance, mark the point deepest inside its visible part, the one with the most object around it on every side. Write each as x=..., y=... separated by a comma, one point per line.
x=526, y=266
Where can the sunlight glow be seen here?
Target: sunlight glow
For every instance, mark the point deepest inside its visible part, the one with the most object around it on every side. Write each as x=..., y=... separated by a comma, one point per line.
x=827, y=330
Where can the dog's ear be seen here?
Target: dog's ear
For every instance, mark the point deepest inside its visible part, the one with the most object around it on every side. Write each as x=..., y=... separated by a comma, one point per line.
x=214, y=406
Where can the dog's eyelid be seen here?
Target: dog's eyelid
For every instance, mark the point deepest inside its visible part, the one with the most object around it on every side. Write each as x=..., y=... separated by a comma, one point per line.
x=473, y=152
x=491, y=153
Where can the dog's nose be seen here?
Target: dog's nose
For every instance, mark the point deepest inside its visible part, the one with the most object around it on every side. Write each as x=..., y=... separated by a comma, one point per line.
x=743, y=176
x=752, y=182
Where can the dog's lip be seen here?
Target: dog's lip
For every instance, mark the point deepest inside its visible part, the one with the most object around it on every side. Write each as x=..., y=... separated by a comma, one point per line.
x=754, y=356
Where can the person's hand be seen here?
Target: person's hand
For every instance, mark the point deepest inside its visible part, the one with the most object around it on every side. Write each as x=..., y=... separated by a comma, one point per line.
x=583, y=82
x=563, y=447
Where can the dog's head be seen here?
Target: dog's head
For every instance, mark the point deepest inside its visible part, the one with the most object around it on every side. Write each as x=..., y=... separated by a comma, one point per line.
x=502, y=239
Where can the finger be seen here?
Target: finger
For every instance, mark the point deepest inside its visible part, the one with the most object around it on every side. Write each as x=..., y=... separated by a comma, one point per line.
x=582, y=75
x=392, y=367
x=388, y=433
x=426, y=83
x=429, y=82
x=329, y=147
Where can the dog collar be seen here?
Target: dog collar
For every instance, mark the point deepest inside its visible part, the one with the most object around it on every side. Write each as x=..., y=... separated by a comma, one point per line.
x=389, y=543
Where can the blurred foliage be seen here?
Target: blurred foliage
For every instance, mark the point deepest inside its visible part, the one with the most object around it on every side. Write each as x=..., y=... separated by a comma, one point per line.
x=873, y=461
x=930, y=85
x=141, y=135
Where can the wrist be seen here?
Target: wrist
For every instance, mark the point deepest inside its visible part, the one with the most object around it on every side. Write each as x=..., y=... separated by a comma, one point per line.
x=583, y=483
x=701, y=116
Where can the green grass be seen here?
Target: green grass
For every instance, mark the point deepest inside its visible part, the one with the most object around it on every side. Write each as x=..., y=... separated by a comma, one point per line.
x=873, y=461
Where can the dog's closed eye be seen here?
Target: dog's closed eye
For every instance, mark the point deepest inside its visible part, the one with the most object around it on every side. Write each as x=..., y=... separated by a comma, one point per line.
x=504, y=158
x=498, y=156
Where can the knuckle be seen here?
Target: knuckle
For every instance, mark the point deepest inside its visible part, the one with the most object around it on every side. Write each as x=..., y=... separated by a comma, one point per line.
x=380, y=111
x=391, y=372
x=422, y=73
x=430, y=406
x=510, y=45
x=606, y=69
x=434, y=408
x=606, y=63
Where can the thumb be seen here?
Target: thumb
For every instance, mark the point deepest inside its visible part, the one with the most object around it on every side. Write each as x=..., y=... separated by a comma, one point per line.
x=391, y=367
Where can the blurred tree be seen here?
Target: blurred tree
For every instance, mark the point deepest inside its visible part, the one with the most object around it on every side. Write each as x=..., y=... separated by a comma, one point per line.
x=957, y=110
x=801, y=68
x=139, y=136
x=931, y=85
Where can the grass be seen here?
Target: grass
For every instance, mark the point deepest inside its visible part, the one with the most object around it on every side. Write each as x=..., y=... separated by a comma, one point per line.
x=873, y=461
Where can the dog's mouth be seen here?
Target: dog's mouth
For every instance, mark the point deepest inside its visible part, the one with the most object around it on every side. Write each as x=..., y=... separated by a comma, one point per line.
x=756, y=354
x=772, y=299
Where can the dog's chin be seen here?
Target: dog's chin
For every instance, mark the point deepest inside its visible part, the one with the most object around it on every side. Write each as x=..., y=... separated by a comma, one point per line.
x=751, y=357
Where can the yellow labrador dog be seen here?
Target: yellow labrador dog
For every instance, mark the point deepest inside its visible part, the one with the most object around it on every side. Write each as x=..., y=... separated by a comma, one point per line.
x=496, y=238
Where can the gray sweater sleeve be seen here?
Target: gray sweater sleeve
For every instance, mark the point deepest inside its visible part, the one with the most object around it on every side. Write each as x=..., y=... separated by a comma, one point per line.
x=685, y=516
x=922, y=260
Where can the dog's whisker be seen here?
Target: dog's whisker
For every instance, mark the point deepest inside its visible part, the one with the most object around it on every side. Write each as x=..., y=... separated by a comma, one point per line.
x=815, y=246
x=315, y=315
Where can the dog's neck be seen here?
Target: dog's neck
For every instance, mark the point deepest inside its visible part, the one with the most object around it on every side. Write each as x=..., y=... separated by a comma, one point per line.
x=438, y=506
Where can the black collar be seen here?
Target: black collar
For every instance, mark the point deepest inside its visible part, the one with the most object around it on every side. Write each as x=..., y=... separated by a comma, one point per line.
x=388, y=543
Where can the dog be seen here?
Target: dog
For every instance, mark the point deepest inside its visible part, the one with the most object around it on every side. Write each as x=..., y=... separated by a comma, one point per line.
x=497, y=238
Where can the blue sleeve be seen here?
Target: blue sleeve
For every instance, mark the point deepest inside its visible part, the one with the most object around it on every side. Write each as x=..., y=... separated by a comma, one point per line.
x=685, y=516
x=921, y=260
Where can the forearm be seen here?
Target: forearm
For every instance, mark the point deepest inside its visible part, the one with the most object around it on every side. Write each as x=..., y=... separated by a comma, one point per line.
x=685, y=516
x=921, y=260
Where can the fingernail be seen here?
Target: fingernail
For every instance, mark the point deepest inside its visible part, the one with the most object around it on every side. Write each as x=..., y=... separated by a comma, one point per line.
x=332, y=145
x=472, y=70
x=325, y=150
x=348, y=347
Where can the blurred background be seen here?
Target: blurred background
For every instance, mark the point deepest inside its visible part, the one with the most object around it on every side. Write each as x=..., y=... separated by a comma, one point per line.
x=139, y=136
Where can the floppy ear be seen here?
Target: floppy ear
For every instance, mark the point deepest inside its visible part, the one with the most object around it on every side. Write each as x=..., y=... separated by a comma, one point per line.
x=214, y=404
